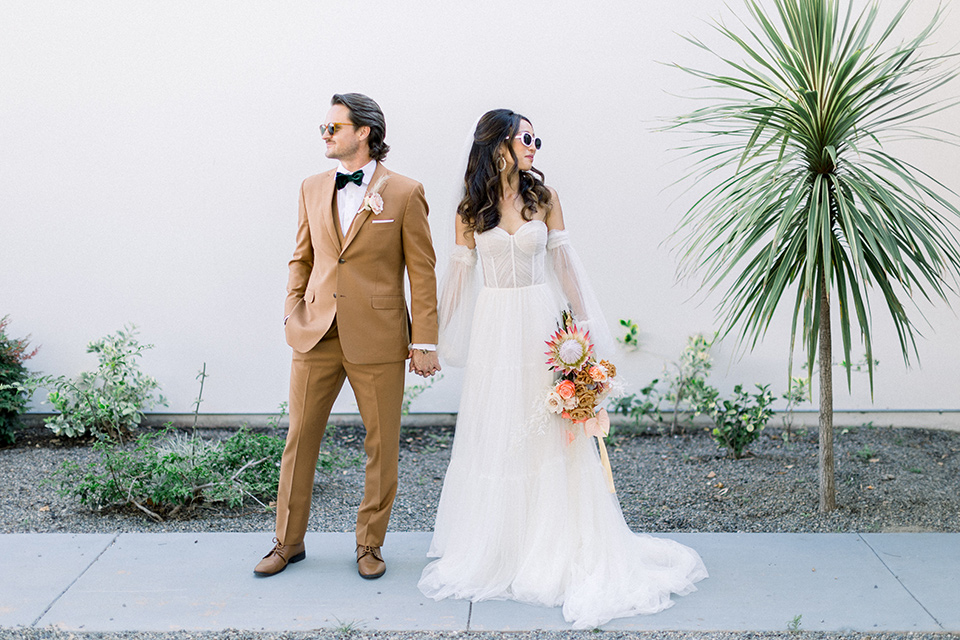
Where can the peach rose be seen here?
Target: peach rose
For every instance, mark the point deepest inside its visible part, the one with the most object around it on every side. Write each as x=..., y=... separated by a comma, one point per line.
x=583, y=377
x=598, y=373
x=566, y=389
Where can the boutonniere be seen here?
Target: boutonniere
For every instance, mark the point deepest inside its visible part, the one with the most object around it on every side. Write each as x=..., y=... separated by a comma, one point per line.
x=373, y=200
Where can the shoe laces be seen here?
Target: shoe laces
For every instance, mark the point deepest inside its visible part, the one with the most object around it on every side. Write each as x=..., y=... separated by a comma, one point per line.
x=373, y=551
x=279, y=549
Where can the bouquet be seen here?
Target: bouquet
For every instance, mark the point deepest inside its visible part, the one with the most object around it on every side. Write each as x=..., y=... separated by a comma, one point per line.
x=583, y=383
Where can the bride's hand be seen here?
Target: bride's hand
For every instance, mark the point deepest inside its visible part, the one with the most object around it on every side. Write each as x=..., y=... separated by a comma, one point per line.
x=424, y=363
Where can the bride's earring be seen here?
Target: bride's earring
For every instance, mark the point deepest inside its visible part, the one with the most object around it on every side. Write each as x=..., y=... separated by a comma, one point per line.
x=501, y=163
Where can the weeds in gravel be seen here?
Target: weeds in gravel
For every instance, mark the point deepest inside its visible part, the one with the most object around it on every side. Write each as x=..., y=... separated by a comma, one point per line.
x=347, y=628
x=866, y=453
x=336, y=457
x=793, y=626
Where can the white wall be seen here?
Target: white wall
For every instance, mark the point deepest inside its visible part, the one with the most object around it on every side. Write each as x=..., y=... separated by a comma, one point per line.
x=151, y=152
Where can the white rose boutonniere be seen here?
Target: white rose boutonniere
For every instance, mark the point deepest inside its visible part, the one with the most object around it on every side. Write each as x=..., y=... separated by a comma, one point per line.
x=373, y=201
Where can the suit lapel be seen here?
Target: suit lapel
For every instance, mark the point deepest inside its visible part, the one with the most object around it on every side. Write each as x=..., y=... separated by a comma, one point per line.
x=328, y=207
x=361, y=217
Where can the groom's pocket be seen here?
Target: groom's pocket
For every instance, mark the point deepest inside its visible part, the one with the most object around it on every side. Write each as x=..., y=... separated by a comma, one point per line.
x=387, y=302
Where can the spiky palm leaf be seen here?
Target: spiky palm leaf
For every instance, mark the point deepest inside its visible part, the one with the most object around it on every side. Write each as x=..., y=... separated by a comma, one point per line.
x=816, y=197
x=813, y=201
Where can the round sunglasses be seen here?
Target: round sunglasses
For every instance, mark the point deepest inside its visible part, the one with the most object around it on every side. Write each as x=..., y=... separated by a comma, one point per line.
x=527, y=139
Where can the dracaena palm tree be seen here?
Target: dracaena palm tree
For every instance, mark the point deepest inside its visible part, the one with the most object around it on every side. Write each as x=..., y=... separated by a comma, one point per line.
x=801, y=197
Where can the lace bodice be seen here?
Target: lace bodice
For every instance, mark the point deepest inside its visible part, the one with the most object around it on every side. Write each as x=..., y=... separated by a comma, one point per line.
x=532, y=256
x=510, y=261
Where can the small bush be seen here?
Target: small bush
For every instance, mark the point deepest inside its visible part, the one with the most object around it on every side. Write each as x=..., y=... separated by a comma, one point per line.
x=168, y=473
x=13, y=376
x=643, y=407
x=109, y=401
x=740, y=420
x=686, y=389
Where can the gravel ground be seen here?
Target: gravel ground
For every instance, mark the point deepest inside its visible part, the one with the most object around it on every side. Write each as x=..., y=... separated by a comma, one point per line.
x=888, y=479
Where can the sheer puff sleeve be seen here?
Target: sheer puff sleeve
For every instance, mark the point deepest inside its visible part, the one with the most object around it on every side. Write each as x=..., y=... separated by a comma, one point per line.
x=574, y=287
x=458, y=296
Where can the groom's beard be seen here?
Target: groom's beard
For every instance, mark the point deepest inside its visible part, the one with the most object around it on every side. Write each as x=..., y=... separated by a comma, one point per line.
x=343, y=149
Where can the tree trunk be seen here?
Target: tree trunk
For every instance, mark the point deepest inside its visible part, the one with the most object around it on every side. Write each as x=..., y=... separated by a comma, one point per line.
x=828, y=491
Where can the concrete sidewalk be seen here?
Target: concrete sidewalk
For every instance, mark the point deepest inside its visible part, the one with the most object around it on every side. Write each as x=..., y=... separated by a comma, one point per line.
x=204, y=581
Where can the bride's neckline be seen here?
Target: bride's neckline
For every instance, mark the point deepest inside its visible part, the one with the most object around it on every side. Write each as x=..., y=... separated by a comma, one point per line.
x=520, y=227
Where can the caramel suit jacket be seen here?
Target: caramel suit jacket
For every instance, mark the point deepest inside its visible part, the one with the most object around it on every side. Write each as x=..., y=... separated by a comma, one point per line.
x=356, y=275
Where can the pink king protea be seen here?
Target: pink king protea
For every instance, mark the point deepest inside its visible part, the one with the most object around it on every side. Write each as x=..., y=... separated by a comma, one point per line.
x=569, y=349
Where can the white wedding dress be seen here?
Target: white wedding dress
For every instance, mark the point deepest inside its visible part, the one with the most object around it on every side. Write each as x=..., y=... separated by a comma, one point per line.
x=523, y=515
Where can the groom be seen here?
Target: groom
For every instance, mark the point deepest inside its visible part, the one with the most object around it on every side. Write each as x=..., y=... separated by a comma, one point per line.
x=359, y=227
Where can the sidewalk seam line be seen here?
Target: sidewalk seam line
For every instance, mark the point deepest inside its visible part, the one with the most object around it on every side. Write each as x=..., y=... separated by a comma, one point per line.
x=74, y=581
x=897, y=578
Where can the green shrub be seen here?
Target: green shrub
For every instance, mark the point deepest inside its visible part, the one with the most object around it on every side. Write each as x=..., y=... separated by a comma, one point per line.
x=165, y=472
x=686, y=388
x=107, y=402
x=168, y=473
x=739, y=420
x=13, y=376
x=643, y=406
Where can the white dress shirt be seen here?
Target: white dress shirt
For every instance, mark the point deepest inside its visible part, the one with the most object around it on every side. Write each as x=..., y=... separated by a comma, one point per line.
x=350, y=198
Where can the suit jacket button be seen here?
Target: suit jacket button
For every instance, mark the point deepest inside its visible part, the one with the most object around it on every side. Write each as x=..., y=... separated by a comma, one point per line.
x=341, y=260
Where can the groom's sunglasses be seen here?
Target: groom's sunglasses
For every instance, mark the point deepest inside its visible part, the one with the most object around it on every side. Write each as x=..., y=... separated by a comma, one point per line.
x=527, y=139
x=333, y=127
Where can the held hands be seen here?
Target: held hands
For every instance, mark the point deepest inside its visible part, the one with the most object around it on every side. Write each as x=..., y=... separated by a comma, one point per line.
x=423, y=362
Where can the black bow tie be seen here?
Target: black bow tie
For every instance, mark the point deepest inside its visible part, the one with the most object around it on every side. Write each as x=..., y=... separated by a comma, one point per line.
x=343, y=178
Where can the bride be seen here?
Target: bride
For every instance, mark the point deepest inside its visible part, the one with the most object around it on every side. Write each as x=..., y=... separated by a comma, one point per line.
x=525, y=515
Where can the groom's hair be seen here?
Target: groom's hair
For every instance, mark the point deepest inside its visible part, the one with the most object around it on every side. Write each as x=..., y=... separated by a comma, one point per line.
x=366, y=113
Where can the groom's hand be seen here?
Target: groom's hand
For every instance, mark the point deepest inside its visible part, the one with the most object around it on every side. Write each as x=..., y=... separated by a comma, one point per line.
x=424, y=363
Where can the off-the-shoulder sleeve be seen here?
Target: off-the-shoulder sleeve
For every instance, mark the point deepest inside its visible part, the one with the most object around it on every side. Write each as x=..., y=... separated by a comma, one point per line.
x=571, y=279
x=459, y=288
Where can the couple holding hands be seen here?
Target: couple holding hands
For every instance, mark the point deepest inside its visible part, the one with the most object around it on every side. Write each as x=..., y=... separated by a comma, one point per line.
x=524, y=513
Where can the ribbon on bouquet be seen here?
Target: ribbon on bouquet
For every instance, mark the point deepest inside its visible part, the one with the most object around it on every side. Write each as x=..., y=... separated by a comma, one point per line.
x=599, y=427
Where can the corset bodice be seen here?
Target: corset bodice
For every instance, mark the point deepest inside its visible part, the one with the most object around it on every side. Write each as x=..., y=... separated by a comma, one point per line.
x=512, y=261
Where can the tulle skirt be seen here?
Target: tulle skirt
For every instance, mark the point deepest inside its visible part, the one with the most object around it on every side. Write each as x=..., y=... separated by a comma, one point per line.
x=525, y=516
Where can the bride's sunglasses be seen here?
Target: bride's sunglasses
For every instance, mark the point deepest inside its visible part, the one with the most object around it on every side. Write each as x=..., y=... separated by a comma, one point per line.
x=527, y=139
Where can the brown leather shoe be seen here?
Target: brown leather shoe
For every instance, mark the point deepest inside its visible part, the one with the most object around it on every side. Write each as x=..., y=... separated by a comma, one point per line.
x=370, y=564
x=278, y=559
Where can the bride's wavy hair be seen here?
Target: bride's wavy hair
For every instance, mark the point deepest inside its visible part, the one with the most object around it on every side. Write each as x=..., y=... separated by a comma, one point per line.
x=479, y=207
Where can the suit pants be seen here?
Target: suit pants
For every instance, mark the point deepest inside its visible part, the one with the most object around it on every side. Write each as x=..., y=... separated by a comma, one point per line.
x=316, y=378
